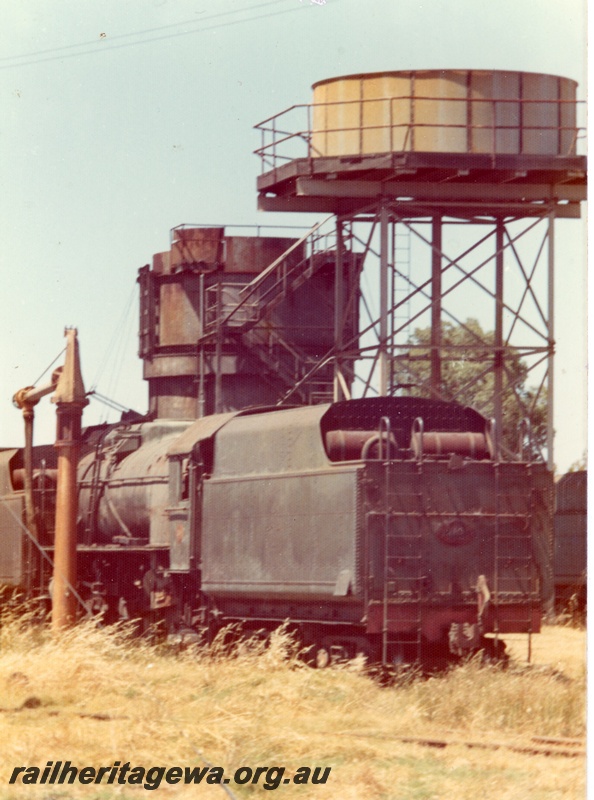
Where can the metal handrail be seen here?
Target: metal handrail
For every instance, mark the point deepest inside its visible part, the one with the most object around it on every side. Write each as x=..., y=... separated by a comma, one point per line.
x=259, y=229
x=253, y=288
x=269, y=153
x=211, y=307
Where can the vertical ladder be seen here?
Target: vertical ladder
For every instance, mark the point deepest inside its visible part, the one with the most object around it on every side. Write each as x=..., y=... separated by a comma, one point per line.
x=402, y=268
x=514, y=550
x=402, y=568
x=403, y=583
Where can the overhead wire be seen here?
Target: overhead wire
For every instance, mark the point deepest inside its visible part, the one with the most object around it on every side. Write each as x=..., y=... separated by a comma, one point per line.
x=107, y=48
x=110, y=345
x=128, y=333
x=47, y=369
x=92, y=42
x=112, y=404
x=115, y=351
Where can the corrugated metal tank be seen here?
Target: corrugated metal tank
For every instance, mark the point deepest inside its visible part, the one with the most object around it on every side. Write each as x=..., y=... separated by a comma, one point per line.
x=453, y=111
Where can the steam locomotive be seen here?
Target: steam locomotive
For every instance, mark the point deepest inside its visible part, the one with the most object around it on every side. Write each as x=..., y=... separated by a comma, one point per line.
x=382, y=526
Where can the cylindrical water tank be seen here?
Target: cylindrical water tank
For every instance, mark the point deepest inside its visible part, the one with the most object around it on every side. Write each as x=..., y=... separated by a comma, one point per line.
x=445, y=111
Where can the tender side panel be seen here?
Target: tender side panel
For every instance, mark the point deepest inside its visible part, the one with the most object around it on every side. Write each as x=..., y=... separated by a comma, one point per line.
x=291, y=534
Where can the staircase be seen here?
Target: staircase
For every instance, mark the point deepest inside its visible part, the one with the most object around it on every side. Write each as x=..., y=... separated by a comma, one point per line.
x=243, y=313
x=306, y=380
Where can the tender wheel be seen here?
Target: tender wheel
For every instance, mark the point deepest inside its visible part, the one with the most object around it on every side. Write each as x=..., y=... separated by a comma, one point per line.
x=494, y=651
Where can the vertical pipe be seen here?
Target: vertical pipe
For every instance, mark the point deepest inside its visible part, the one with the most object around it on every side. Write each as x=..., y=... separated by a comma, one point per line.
x=31, y=516
x=436, y=256
x=361, y=115
x=70, y=399
x=412, y=120
x=551, y=357
x=200, y=358
x=383, y=320
x=63, y=598
x=338, y=310
x=469, y=113
x=30, y=513
x=26, y=399
x=218, y=354
x=201, y=387
x=498, y=342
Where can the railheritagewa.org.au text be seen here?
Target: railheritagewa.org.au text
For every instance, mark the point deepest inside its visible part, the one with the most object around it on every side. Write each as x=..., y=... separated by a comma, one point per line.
x=64, y=772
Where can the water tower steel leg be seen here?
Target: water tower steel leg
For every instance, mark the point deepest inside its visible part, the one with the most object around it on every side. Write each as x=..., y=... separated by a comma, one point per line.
x=436, y=257
x=338, y=310
x=498, y=342
x=383, y=320
x=551, y=337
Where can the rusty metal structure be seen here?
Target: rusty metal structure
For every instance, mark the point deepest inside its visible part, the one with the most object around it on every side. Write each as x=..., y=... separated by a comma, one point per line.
x=70, y=399
x=69, y=395
x=450, y=182
x=228, y=321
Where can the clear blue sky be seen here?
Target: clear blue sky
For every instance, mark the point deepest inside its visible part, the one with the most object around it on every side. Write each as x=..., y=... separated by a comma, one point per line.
x=122, y=120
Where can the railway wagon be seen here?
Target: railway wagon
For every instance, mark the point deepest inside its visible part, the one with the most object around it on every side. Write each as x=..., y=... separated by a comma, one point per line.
x=570, y=541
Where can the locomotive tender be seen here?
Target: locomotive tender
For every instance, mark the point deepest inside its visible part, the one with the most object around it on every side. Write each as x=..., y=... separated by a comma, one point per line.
x=377, y=525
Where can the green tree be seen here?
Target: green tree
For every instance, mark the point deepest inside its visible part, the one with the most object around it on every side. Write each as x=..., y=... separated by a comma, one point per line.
x=468, y=378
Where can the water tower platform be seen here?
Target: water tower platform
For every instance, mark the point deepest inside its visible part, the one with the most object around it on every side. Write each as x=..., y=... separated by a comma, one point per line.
x=455, y=141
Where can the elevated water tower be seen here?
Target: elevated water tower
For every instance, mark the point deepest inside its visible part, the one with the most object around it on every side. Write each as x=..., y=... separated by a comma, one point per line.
x=450, y=182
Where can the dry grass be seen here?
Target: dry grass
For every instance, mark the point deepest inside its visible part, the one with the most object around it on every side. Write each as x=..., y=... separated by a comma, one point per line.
x=100, y=697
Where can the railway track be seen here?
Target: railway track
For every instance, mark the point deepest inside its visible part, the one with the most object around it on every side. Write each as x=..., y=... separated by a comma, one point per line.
x=535, y=745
